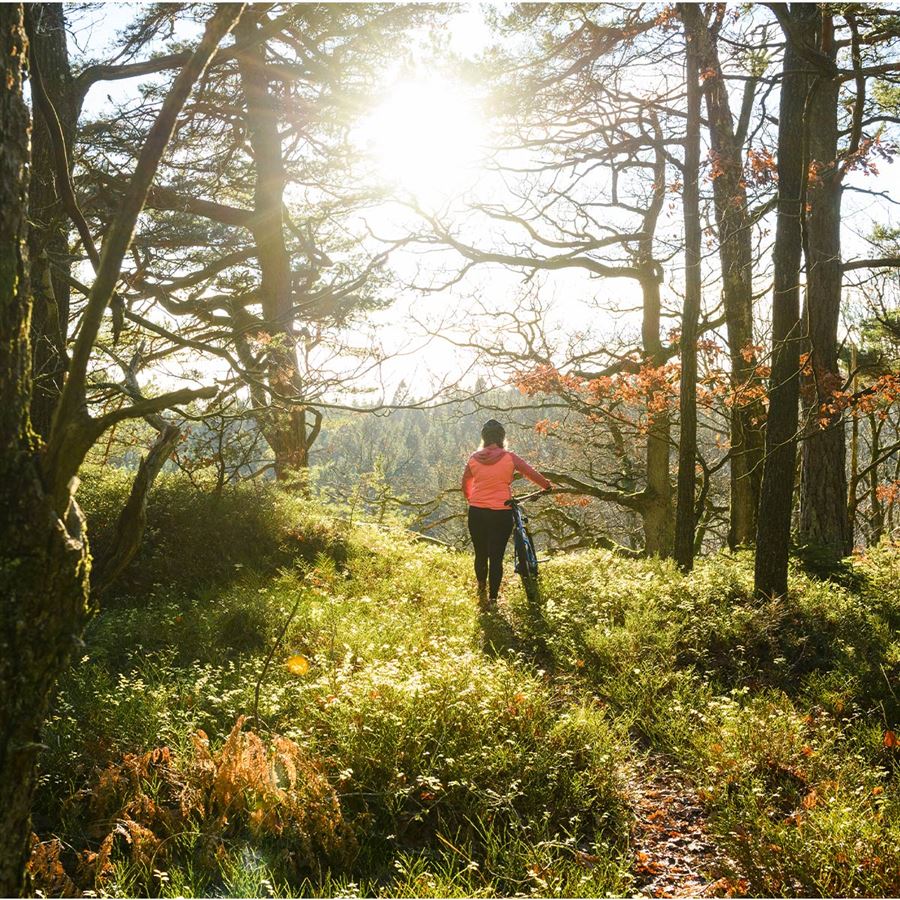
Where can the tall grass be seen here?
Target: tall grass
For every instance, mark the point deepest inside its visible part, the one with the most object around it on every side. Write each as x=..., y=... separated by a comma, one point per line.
x=445, y=753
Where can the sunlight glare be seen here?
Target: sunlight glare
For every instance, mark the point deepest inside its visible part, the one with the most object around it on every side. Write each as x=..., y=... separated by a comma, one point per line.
x=425, y=137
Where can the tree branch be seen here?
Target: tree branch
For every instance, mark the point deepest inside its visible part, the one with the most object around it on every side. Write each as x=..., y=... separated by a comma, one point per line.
x=140, y=409
x=60, y=462
x=881, y=262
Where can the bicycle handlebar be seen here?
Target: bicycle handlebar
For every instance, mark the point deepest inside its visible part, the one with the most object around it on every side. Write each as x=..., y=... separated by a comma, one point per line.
x=523, y=497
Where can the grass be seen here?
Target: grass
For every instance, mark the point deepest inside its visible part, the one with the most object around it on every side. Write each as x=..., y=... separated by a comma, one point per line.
x=415, y=748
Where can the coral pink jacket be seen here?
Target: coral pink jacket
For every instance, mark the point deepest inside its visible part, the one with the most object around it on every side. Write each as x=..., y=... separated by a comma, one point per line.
x=489, y=473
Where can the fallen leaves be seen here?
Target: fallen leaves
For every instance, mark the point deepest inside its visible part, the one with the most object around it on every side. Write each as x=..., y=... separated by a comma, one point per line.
x=646, y=865
x=672, y=854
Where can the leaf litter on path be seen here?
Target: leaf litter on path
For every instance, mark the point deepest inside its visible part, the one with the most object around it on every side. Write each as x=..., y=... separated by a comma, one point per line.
x=674, y=856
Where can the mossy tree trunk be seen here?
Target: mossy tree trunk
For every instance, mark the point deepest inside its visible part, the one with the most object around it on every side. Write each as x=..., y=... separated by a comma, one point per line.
x=48, y=237
x=43, y=554
x=44, y=558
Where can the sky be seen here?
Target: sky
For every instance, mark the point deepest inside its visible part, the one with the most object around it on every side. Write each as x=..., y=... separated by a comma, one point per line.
x=425, y=137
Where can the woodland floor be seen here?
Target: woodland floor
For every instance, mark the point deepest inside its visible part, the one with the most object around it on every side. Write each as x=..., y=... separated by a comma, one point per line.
x=674, y=853
x=642, y=733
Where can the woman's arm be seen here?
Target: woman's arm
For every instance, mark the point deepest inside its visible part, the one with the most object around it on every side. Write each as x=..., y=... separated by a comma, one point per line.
x=466, y=481
x=531, y=474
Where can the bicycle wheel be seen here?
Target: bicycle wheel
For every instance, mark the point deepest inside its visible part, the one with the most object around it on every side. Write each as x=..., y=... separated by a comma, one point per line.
x=526, y=565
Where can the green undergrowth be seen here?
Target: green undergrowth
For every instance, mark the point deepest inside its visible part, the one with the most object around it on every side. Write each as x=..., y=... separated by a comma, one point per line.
x=397, y=743
x=781, y=713
x=454, y=769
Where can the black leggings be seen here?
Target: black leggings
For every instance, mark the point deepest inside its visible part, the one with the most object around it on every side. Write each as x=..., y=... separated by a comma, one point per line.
x=490, y=530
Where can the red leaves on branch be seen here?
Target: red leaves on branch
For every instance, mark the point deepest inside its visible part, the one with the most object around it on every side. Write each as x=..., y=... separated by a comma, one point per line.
x=888, y=493
x=668, y=18
x=634, y=398
x=545, y=426
x=571, y=500
x=869, y=150
x=814, y=173
x=762, y=169
x=826, y=387
x=752, y=351
x=546, y=379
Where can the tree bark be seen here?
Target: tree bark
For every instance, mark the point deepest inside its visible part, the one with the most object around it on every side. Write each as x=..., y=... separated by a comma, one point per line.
x=132, y=521
x=48, y=238
x=824, y=520
x=736, y=260
x=43, y=556
x=283, y=422
x=656, y=512
x=773, y=531
x=876, y=514
x=854, y=450
x=685, y=516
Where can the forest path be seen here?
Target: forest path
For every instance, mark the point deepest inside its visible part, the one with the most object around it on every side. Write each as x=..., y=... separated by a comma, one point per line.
x=674, y=855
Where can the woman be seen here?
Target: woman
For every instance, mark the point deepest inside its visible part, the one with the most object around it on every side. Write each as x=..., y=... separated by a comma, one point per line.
x=486, y=485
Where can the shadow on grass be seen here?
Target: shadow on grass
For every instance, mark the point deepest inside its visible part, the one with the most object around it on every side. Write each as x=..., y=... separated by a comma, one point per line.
x=499, y=637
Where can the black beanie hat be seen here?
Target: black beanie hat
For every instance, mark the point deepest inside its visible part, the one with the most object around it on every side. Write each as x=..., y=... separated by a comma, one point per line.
x=492, y=432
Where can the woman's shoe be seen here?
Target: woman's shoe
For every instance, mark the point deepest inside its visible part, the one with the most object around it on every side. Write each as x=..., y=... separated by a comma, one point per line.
x=482, y=593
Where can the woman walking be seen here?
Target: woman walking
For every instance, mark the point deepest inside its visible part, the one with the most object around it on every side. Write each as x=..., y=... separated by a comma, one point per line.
x=486, y=484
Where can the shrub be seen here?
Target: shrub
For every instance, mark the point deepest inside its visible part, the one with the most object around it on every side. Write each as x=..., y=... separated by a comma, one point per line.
x=196, y=538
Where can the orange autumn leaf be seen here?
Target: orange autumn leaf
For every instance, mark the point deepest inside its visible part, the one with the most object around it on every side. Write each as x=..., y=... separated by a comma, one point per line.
x=890, y=739
x=297, y=665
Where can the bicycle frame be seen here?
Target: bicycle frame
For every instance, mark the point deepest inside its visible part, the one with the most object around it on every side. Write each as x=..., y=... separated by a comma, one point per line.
x=526, y=559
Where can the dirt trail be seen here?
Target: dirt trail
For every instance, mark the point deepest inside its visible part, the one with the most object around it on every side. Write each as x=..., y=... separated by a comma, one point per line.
x=674, y=855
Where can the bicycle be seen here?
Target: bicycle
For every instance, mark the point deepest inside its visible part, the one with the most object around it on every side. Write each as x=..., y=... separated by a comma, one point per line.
x=526, y=566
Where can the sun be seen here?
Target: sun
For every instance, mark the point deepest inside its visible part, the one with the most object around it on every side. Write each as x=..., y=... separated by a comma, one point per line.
x=425, y=137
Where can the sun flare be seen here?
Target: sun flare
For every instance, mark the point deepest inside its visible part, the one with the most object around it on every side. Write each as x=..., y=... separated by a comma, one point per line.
x=425, y=137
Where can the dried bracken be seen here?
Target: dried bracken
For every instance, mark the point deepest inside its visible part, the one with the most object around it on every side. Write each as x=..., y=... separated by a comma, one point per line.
x=262, y=789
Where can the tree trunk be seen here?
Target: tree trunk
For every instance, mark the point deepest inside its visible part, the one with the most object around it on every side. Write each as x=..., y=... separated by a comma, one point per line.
x=685, y=515
x=48, y=238
x=657, y=515
x=824, y=521
x=43, y=558
x=283, y=423
x=876, y=514
x=736, y=261
x=854, y=450
x=773, y=530
x=132, y=521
